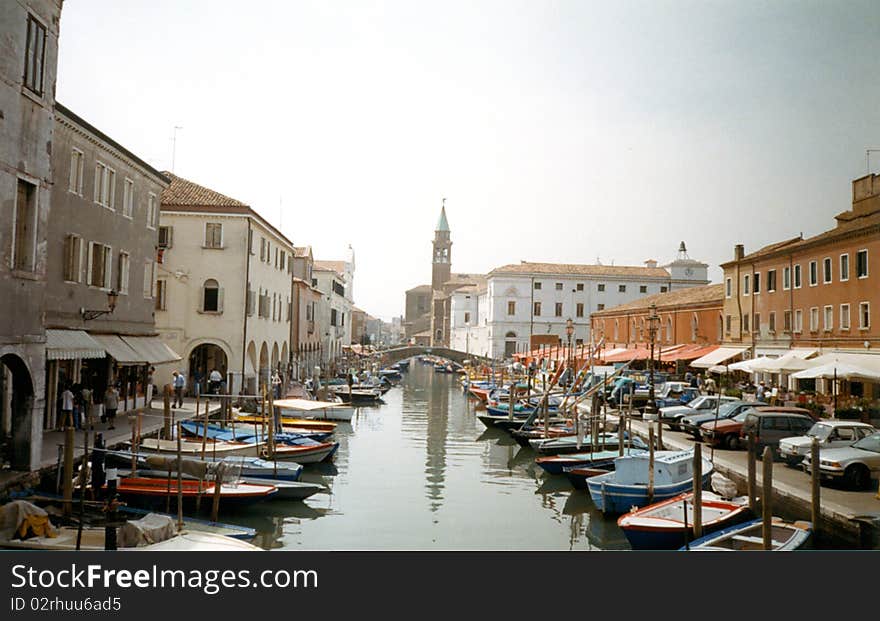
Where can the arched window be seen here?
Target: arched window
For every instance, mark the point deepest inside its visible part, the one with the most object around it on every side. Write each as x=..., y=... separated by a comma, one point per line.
x=695, y=327
x=510, y=335
x=720, y=327
x=669, y=329
x=616, y=331
x=212, y=297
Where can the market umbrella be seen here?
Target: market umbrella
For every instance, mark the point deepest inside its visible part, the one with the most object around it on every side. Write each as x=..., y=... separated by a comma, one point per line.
x=750, y=365
x=836, y=371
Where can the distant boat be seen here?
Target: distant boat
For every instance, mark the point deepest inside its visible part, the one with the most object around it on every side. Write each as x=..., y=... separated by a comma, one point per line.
x=194, y=448
x=339, y=409
x=750, y=537
x=288, y=490
x=357, y=396
x=569, y=444
x=159, y=488
x=627, y=486
x=556, y=464
x=661, y=526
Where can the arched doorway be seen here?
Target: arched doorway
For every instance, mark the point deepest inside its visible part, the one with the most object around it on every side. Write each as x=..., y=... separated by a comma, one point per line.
x=274, y=356
x=251, y=369
x=285, y=357
x=16, y=412
x=263, y=370
x=204, y=359
x=509, y=345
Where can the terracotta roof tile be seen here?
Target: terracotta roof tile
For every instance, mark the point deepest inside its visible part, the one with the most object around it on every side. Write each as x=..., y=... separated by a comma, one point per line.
x=183, y=192
x=302, y=251
x=569, y=269
x=706, y=294
x=333, y=266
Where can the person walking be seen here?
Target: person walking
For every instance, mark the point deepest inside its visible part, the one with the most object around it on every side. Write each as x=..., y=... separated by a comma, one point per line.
x=709, y=385
x=276, y=384
x=99, y=476
x=179, y=383
x=215, y=379
x=111, y=404
x=66, y=407
x=88, y=421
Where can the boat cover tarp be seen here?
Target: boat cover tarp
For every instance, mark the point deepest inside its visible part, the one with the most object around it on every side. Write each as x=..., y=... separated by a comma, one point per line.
x=193, y=467
x=21, y=519
x=305, y=405
x=152, y=528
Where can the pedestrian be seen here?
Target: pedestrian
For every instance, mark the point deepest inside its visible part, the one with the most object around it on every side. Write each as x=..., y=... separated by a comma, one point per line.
x=151, y=387
x=276, y=384
x=760, y=393
x=179, y=383
x=111, y=404
x=87, y=407
x=215, y=380
x=709, y=385
x=97, y=458
x=694, y=382
x=197, y=383
x=66, y=407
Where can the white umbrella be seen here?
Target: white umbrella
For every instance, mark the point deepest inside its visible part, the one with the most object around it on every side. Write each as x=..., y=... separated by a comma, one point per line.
x=786, y=364
x=750, y=365
x=838, y=370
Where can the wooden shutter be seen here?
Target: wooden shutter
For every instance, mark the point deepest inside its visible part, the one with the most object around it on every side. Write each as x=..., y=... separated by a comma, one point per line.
x=220, y=300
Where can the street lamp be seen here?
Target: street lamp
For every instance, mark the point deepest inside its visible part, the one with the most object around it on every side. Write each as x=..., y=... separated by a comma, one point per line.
x=653, y=321
x=569, y=330
x=88, y=315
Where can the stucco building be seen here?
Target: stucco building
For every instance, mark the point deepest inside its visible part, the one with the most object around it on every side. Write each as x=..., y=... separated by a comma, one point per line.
x=305, y=334
x=335, y=281
x=223, y=288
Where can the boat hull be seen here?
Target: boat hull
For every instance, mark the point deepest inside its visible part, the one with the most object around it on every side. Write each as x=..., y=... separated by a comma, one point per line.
x=613, y=498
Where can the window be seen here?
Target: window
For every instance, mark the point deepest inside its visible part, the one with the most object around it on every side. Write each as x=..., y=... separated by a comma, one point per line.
x=756, y=287
x=814, y=319
x=161, y=291
x=786, y=278
x=166, y=236
x=862, y=264
x=559, y=309
x=600, y=287
x=727, y=287
x=211, y=302
x=598, y=307
x=262, y=249
x=580, y=286
x=24, y=241
x=122, y=274
x=127, y=197
x=643, y=289
x=799, y=321
x=844, y=316
x=559, y=286
x=537, y=286
x=537, y=310
x=467, y=317
x=771, y=281
x=213, y=235
x=332, y=316
x=797, y=276
x=771, y=322
x=35, y=55
x=149, y=279
x=152, y=215
x=664, y=289
x=727, y=321
x=251, y=301
x=99, y=265
x=864, y=315
x=105, y=185
x=73, y=258
x=579, y=309
x=511, y=308
x=75, y=181
x=786, y=321
x=844, y=267
x=826, y=270
x=814, y=274
x=621, y=288
x=757, y=324
x=745, y=322
x=746, y=284
x=828, y=319
x=268, y=251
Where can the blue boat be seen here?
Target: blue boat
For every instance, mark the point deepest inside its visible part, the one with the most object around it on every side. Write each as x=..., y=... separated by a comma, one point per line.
x=263, y=468
x=748, y=536
x=216, y=432
x=627, y=486
x=556, y=464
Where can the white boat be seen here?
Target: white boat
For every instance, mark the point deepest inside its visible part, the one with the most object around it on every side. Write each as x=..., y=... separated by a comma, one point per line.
x=194, y=449
x=326, y=410
x=288, y=490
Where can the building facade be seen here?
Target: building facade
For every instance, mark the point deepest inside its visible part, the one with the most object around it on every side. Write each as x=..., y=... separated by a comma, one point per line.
x=28, y=66
x=223, y=288
x=305, y=338
x=334, y=279
x=104, y=235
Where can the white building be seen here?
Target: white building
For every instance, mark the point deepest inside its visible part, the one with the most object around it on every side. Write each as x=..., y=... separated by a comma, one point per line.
x=224, y=287
x=335, y=281
x=528, y=304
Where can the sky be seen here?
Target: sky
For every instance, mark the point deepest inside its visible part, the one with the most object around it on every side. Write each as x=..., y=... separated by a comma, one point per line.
x=570, y=132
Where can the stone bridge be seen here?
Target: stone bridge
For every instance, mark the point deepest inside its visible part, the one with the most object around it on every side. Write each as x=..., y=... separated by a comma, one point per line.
x=390, y=356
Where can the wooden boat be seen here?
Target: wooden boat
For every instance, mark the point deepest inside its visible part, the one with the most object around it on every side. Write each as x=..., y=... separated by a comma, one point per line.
x=160, y=487
x=289, y=422
x=216, y=432
x=194, y=448
x=557, y=427
x=627, y=486
x=264, y=469
x=193, y=524
x=569, y=444
x=749, y=537
x=306, y=453
x=481, y=392
x=339, y=409
x=356, y=396
x=199, y=542
x=287, y=490
x=661, y=526
x=93, y=539
x=556, y=464
x=578, y=475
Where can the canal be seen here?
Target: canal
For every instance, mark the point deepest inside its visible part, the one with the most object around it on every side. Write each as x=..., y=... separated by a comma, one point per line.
x=421, y=472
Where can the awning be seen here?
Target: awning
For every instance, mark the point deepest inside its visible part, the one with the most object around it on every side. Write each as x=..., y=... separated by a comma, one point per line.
x=866, y=361
x=794, y=360
x=119, y=350
x=71, y=344
x=718, y=356
x=152, y=348
x=688, y=352
x=751, y=365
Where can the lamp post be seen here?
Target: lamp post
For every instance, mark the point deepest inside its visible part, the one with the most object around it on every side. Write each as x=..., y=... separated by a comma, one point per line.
x=88, y=315
x=653, y=320
x=569, y=330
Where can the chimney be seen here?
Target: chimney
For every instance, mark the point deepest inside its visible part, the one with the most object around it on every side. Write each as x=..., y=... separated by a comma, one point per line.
x=651, y=263
x=739, y=252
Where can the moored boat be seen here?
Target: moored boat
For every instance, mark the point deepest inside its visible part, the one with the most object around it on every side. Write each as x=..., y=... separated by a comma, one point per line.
x=749, y=537
x=556, y=464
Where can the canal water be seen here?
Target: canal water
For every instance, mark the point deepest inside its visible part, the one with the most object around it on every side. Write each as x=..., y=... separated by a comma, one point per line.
x=421, y=472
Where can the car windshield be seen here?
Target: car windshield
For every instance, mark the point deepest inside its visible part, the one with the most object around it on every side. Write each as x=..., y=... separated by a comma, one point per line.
x=726, y=408
x=697, y=402
x=741, y=416
x=871, y=443
x=820, y=431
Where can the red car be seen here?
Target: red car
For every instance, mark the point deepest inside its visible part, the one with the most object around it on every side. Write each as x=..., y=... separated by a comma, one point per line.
x=726, y=433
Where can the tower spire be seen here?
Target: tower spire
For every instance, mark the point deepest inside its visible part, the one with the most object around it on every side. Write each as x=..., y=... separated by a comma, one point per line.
x=442, y=223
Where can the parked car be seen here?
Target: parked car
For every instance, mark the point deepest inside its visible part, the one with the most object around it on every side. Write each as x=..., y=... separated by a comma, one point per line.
x=769, y=425
x=830, y=433
x=678, y=396
x=728, y=409
x=724, y=432
x=672, y=415
x=856, y=464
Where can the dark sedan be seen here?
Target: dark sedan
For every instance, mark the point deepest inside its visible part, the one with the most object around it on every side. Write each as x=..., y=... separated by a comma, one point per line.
x=728, y=409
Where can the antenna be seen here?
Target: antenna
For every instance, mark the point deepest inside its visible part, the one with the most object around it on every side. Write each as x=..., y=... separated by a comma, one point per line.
x=174, y=146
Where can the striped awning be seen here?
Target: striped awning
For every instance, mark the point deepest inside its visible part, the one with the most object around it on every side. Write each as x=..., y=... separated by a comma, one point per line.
x=717, y=357
x=71, y=344
x=119, y=350
x=152, y=348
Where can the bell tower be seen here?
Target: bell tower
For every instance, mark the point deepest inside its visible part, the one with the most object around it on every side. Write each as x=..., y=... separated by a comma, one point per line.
x=441, y=264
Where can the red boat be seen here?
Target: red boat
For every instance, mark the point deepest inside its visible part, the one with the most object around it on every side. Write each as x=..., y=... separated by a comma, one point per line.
x=151, y=488
x=481, y=393
x=307, y=453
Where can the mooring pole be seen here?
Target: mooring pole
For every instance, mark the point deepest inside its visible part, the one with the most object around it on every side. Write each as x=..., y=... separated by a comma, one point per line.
x=698, y=491
x=68, y=471
x=766, y=503
x=814, y=480
x=753, y=484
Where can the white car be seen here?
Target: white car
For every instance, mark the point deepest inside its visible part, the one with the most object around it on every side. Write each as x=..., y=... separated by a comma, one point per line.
x=673, y=414
x=856, y=464
x=830, y=433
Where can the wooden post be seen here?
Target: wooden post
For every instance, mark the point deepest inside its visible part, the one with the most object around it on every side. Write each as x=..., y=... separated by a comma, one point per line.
x=134, y=445
x=698, y=491
x=179, y=481
x=766, y=503
x=659, y=431
x=218, y=488
x=83, y=483
x=814, y=480
x=68, y=470
x=166, y=403
x=650, y=464
x=205, y=430
x=753, y=486
x=511, y=402
x=271, y=439
x=621, y=429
